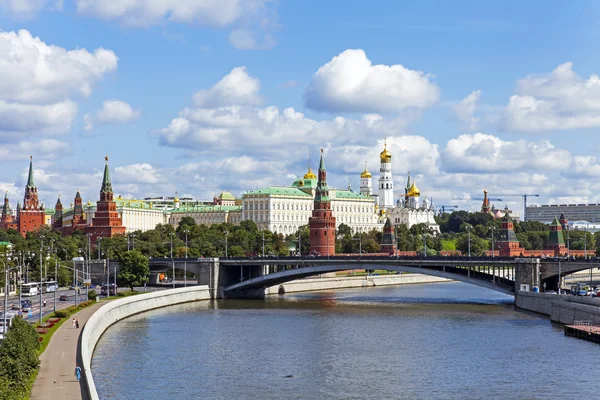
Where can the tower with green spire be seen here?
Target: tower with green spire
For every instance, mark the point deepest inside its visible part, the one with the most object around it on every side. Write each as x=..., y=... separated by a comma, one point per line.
x=106, y=221
x=30, y=217
x=556, y=240
x=322, y=222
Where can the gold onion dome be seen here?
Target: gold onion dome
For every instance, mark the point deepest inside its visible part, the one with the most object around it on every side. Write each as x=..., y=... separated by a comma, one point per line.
x=365, y=173
x=309, y=174
x=413, y=191
x=385, y=155
x=301, y=182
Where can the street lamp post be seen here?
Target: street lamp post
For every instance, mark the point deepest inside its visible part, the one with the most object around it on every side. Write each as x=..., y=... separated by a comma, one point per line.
x=172, y=260
x=186, y=256
x=300, y=242
x=55, y=278
x=89, y=270
x=492, y=234
x=41, y=272
x=424, y=246
x=558, y=291
x=359, y=244
x=469, y=227
x=263, y=244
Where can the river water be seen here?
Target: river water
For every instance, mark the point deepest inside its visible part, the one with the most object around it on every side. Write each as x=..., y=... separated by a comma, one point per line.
x=434, y=341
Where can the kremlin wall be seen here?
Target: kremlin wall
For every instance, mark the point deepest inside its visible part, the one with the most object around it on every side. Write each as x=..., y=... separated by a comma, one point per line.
x=280, y=209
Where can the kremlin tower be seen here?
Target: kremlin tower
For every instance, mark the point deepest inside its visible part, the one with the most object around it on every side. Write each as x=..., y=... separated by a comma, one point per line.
x=485, y=206
x=7, y=221
x=30, y=216
x=106, y=221
x=386, y=183
x=388, y=239
x=322, y=222
x=58, y=214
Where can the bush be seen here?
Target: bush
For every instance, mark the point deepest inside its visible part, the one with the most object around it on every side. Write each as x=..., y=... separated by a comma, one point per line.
x=92, y=295
x=127, y=293
x=53, y=320
x=61, y=313
x=86, y=303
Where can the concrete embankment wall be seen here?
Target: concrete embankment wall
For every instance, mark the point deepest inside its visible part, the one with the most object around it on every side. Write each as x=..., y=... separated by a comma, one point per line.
x=564, y=310
x=118, y=309
x=310, y=284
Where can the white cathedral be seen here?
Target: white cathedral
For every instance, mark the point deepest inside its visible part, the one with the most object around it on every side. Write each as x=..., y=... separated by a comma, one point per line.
x=408, y=209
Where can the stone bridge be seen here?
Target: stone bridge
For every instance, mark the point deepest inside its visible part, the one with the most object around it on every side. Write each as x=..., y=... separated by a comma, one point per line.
x=243, y=277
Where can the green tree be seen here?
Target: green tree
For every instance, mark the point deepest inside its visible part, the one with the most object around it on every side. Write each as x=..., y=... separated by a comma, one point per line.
x=478, y=245
x=18, y=359
x=134, y=269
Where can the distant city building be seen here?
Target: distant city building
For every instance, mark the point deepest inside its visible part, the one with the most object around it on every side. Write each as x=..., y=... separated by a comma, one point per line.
x=573, y=212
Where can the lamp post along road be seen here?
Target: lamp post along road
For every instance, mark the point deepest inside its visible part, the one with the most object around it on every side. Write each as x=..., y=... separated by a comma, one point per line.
x=186, y=256
x=41, y=271
x=172, y=260
x=469, y=227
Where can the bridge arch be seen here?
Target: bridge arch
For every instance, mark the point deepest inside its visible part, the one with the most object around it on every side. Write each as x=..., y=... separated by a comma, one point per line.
x=488, y=281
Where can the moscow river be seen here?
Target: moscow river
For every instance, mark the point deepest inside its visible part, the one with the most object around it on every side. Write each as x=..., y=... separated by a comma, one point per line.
x=434, y=341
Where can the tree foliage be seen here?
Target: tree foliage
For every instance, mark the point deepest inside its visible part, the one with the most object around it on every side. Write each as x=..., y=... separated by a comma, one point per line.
x=18, y=360
x=134, y=269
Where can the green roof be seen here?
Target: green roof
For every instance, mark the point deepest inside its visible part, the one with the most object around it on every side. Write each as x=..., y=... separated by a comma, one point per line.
x=49, y=211
x=205, y=209
x=307, y=183
x=279, y=190
x=347, y=194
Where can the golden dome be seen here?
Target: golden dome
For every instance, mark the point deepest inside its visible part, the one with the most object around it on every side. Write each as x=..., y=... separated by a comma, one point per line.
x=413, y=191
x=365, y=173
x=385, y=155
x=301, y=182
x=89, y=203
x=309, y=174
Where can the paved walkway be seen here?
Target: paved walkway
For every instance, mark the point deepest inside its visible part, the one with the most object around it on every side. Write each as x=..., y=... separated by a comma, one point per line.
x=56, y=377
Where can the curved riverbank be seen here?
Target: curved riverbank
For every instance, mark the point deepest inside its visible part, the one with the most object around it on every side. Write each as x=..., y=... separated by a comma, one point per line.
x=117, y=310
x=349, y=282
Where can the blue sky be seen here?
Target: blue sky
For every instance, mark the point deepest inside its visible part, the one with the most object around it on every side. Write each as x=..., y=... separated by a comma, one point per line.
x=232, y=95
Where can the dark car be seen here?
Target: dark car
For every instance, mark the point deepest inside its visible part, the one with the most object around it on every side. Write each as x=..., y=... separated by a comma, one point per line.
x=63, y=297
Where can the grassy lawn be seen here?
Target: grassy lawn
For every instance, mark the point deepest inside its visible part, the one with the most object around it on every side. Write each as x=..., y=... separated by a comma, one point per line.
x=449, y=245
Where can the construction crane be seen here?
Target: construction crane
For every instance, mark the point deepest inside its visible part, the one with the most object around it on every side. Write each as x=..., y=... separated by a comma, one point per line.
x=489, y=198
x=524, y=196
x=443, y=208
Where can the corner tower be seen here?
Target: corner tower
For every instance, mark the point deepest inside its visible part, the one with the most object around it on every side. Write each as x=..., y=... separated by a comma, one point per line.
x=386, y=183
x=322, y=222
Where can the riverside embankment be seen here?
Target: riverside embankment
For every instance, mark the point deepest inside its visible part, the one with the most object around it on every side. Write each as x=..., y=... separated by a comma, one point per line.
x=564, y=309
x=329, y=283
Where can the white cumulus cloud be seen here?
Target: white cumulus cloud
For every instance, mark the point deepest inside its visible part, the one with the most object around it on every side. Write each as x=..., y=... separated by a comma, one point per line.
x=481, y=152
x=25, y=9
x=557, y=100
x=235, y=88
x=137, y=173
x=36, y=73
x=112, y=112
x=350, y=82
x=465, y=110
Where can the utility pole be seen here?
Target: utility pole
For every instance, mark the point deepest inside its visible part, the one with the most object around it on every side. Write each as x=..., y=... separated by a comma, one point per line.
x=424, y=246
x=492, y=230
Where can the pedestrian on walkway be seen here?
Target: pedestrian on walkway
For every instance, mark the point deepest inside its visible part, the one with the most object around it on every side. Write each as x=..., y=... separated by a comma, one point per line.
x=73, y=324
x=78, y=372
x=77, y=323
